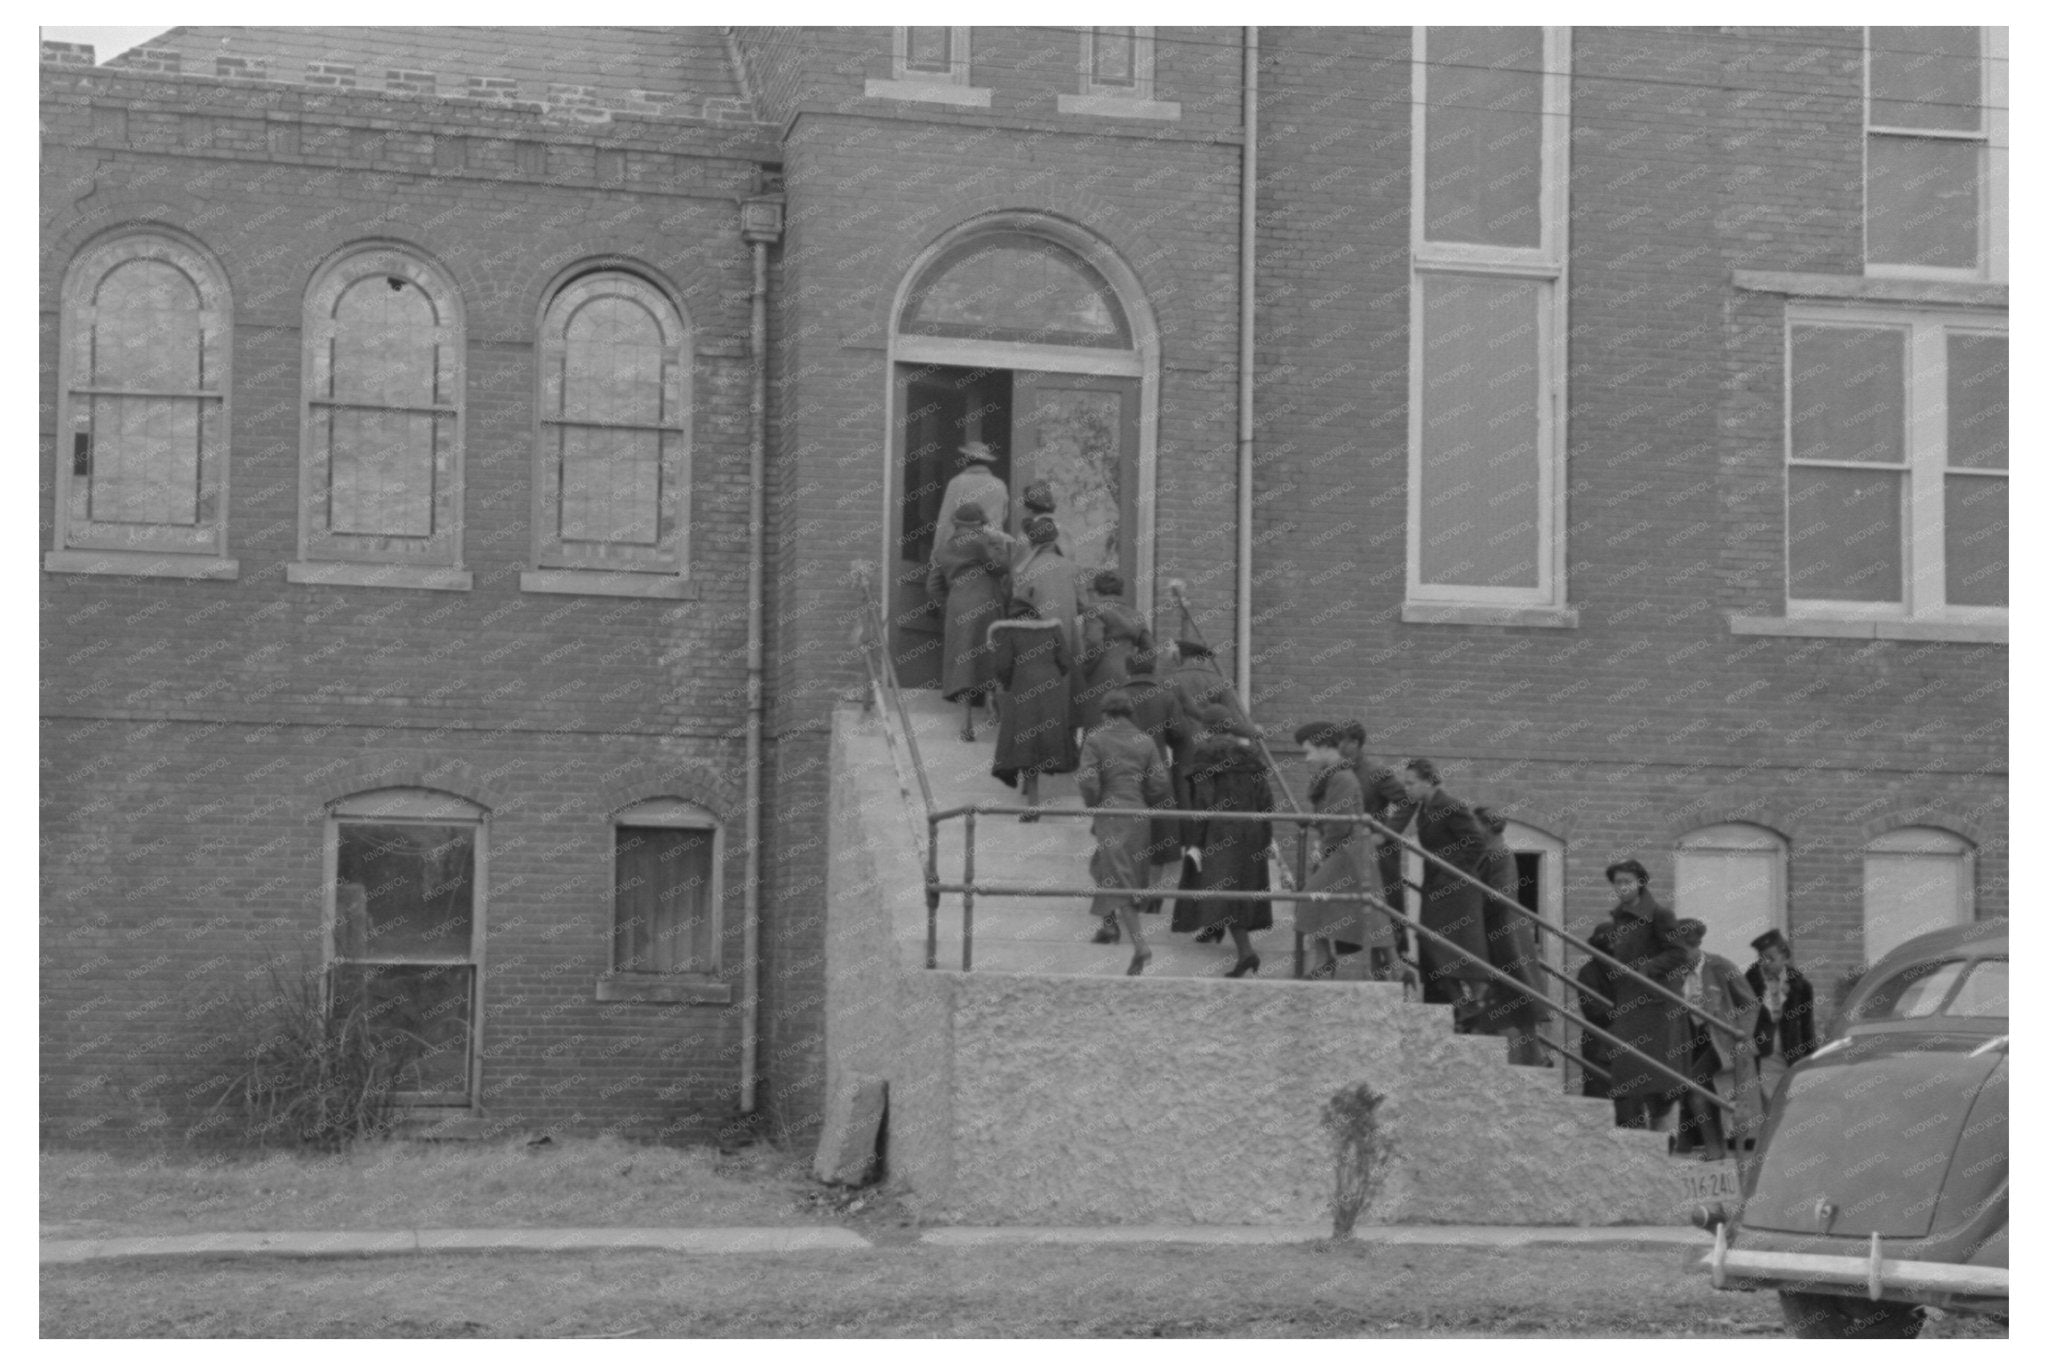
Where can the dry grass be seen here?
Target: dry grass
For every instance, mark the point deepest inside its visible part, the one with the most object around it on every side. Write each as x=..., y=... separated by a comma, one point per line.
x=1313, y=1290
x=569, y=1182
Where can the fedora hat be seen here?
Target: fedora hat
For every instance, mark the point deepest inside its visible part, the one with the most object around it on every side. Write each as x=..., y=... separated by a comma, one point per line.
x=978, y=450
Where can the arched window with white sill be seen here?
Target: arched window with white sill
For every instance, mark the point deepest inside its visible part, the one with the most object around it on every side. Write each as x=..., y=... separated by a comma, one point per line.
x=1915, y=879
x=1731, y=877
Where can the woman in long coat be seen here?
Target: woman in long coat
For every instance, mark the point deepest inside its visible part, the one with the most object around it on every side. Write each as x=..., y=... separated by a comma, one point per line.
x=1036, y=732
x=1454, y=961
x=1121, y=766
x=1043, y=576
x=969, y=577
x=1595, y=990
x=1227, y=774
x=1344, y=859
x=1646, y=941
x=1510, y=948
x=1110, y=634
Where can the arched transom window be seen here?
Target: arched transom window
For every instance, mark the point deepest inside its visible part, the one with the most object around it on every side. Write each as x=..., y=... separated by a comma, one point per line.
x=1011, y=286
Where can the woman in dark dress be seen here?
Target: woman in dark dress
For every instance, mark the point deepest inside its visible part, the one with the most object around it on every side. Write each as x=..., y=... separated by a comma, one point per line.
x=1110, y=634
x=1227, y=774
x=969, y=578
x=1646, y=941
x=1036, y=732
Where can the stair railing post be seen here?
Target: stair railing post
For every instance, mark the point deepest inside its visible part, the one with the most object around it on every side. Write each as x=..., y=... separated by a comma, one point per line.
x=967, y=898
x=1300, y=884
x=931, y=892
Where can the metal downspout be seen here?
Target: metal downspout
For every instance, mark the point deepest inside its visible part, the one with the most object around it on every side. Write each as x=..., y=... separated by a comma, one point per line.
x=761, y=223
x=1248, y=240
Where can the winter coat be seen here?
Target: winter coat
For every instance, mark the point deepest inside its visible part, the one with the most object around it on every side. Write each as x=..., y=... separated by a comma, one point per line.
x=1345, y=861
x=1388, y=803
x=1451, y=906
x=1037, y=729
x=1595, y=1050
x=976, y=484
x=1050, y=582
x=969, y=578
x=1121, y=766
x=1790, y=1035
x=1110, y=633
x=1226, y=773
x=1646, y=941
x=1726, y=996
x=1155, y=710
x=1510, y=943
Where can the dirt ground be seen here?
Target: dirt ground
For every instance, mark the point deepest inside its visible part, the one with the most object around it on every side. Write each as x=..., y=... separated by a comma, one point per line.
x=566, y=1182
x=1307, y=1290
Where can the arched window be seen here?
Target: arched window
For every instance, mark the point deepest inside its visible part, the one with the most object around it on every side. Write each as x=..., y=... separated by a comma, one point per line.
x=143, y=408
x=405, y=903
x=381, y=469
x=1915, y=879
x=612, y=464
x=1013, y=286
x=666, y=888
x=1732, y=878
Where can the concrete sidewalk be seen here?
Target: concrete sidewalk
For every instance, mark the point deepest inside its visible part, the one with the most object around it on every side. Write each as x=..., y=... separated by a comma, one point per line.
x=775, y=1241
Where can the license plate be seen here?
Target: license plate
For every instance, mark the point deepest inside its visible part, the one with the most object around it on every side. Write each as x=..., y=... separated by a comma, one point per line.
x=1713, y=1181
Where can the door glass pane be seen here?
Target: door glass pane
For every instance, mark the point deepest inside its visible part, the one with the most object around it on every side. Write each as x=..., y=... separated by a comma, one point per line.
x=1926, y=78
x=1734, y=893
x=1975, y=536
x=1484, y=136
x=1845, y=531
x=1906, y=894
x=1976, y=400
x=1923, y=201
x=144, y=461
x=404, y=891
x=1072, y=439
x=1849, y=394
x=1482, y=409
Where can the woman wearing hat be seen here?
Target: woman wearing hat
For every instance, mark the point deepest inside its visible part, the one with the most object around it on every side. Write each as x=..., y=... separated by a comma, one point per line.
x=1646, y=941
x=1121, y=767
x=1043, y=576
x=1226, y=774
x=969, y=579
x=1036, y=731
x=977, y=483
x=1110, y=634
x=1341, y=858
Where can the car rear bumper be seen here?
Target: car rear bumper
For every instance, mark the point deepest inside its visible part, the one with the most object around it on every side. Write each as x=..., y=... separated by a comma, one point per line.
x=1873, y=1275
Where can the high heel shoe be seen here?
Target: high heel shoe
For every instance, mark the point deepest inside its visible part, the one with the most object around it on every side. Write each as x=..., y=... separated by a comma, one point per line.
x=1246, y=966
x=1138, y=961
x=1110, y=932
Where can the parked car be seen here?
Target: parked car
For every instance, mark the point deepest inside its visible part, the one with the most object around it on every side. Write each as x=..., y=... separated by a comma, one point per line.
x=1880, y=1181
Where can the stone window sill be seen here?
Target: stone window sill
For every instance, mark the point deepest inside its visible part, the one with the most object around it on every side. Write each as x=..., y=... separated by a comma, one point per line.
x=1841, y=628
x=344, y=575
x=929, y=92
x=1459, y=614
x=140, y=564
x=1873, y=288
x=649, y=989
x=608, y=583
x=1119, y=106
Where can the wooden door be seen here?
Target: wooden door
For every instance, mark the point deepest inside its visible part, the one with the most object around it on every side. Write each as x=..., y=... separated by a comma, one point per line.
x=1079, y=433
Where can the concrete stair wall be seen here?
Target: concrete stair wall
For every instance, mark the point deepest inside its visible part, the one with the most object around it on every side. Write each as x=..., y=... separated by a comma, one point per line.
x=1044, y=1086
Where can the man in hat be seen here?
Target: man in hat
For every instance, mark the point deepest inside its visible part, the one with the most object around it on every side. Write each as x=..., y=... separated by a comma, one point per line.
x=1784, y=1019
x=977, y=483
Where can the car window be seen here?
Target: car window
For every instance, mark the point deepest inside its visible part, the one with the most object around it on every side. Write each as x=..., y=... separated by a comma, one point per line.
x=1983, y=994
x=1913, y=993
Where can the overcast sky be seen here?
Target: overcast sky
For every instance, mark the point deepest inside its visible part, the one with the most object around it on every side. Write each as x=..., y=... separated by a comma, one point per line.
x=106, y=42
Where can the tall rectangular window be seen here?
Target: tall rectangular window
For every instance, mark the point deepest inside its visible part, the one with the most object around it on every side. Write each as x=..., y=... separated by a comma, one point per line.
x=1935, y=152
x=1486, y=317
x=931, y=54
x=1895, y=488
x=665, y=889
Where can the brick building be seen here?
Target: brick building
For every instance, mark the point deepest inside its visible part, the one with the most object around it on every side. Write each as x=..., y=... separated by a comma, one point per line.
x=1627, y=435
